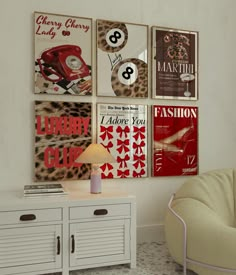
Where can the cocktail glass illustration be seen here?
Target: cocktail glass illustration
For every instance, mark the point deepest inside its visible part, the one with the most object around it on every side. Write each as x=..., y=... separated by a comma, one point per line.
x=187, y=78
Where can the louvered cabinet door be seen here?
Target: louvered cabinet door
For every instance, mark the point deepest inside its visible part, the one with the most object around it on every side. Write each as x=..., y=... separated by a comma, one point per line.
x=30, y=249
x=99, y=242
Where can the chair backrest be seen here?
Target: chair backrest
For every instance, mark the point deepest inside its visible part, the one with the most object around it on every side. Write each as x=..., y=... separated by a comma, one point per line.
x=216, y=189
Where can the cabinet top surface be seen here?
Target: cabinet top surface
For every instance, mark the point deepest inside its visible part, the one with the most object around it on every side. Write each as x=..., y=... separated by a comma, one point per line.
x=76, y=195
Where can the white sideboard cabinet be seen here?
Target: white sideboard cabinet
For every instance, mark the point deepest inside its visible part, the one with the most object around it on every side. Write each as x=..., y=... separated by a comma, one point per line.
x=59, y=234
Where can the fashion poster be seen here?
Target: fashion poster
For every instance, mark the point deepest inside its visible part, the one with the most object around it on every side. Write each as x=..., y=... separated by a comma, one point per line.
x=175, y=140
x=122, y=130
x=62, y=133
x=63, y=54
x=122, y=52
x=174, y=64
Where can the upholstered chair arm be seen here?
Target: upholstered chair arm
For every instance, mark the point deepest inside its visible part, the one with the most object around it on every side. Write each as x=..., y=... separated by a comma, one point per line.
x=208, y=238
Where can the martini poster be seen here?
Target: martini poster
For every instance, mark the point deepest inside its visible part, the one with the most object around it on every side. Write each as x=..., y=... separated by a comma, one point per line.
x=174, y=64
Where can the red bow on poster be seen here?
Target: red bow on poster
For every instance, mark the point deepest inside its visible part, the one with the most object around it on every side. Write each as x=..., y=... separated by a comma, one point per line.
x=122, y=131
x=123, y=145
x=138, y=147
x=108, y=176
x=123, y=174
x=105, y=166
x=139, y=160
x=108, y=146
x=106, y=132
x=139, y=132
x=123, y=161
x=138, y=174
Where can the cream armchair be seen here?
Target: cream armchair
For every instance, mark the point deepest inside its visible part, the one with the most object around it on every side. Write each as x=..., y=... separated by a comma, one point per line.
x=200, y=223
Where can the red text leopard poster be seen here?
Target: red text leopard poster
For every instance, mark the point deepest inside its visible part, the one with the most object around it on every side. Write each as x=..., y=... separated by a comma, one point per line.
x=62, y=133
x=175, y=140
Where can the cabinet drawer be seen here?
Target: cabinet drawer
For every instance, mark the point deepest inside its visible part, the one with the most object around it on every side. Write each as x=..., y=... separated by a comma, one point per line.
x=30, y=216
x=95, y=211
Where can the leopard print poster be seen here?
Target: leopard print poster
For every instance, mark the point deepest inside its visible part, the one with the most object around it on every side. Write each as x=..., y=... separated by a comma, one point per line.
x=122, y=52
x=62, y=132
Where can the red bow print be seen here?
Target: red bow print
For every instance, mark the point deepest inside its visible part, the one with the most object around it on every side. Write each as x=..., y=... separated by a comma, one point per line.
x=123, y=161
x=123, y=174
x=138, y=175
x=106, y=132
x=108, y=146
x=138, y=147
x=121, y=130
x=123, y=145
x=108, y=176
x=105, y=166
x=139, y=160
x=139, y=132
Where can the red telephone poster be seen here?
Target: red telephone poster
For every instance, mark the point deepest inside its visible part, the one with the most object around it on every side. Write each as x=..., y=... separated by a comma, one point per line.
x=122, y=129
x=62, y=132
x=175, y=140
x=175, y=64
x=63, y=54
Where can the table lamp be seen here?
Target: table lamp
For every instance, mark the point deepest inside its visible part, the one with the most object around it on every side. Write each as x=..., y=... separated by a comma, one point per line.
x=96, y=154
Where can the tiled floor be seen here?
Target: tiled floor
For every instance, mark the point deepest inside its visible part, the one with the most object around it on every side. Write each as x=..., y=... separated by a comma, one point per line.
x=152, y=259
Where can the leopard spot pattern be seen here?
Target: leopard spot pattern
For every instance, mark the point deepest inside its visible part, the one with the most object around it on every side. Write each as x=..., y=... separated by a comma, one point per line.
x=139, y=88
x=42, y=173
x=103, y=27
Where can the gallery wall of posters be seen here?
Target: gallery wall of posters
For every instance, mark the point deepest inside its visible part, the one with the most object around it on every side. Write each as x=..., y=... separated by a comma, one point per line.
x=122, y=57
x=122, y=129
x=63, y=47
x=63, y=54
x=174, y=64
x=175, y=140
x=62, y=132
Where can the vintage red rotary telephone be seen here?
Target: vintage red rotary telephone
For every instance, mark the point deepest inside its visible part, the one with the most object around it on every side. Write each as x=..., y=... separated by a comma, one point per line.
x=64, y=61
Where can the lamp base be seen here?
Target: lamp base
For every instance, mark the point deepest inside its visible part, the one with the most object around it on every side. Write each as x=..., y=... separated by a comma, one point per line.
x=95, y=184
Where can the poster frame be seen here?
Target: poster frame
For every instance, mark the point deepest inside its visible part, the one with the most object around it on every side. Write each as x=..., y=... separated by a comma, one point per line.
x=62, y=54
x=122, y=63
x=175, y=63
x=124, y=133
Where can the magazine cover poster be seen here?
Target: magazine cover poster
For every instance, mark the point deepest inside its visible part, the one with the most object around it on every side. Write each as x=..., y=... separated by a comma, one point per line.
x=62, y=133
x=175, y=140
x=122, y=130
x=122, y=59
x=63, y=54
x=175, y=64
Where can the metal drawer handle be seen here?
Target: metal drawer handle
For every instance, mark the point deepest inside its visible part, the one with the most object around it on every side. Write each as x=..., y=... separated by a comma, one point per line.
x=99, y=212
x=72, y=244
x=27, y=217
x=58, y=245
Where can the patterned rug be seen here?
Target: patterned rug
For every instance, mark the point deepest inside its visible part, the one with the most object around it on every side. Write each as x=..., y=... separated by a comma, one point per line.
x=152, y=259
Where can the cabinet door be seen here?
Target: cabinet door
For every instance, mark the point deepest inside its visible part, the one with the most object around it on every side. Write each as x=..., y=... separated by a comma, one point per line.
x=29, y=249
x=100, y=243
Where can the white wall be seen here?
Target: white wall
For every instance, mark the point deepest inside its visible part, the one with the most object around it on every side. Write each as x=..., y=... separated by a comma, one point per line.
x=214, y=19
